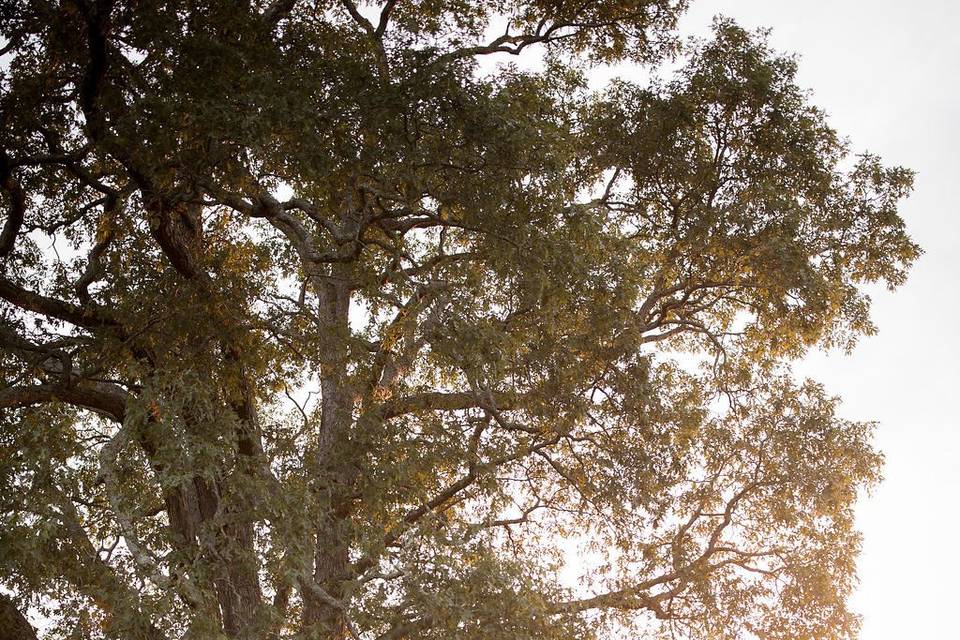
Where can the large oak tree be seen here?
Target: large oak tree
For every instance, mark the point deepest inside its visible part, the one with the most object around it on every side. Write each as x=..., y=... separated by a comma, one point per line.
x=322, y=319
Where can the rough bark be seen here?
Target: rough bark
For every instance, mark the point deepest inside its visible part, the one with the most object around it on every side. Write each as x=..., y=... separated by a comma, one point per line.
x=13, y=624
x=322, y=618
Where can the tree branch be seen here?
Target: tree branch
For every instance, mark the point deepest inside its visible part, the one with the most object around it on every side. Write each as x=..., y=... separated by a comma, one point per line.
x=13, y=624
x=18, y=206
x=88, y=318
x=101, y=397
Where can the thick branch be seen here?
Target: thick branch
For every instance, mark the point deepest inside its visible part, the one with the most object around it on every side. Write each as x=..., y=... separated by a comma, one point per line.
x=106, y=399
x=278, y=11
x=18, y=207
x=53, y=308
x=13, y=624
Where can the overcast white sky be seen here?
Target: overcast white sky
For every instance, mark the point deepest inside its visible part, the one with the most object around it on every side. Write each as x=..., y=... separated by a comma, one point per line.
x=888, y=74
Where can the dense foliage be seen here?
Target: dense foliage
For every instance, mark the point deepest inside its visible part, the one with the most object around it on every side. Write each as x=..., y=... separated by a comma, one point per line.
x=325, y=320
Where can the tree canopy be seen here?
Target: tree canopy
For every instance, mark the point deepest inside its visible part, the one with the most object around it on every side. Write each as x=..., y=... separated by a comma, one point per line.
x=333, y=320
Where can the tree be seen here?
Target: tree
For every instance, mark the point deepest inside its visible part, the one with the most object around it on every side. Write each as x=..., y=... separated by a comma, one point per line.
x=313, y=325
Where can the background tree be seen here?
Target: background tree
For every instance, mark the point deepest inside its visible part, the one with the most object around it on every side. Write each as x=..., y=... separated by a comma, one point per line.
x=314, y=326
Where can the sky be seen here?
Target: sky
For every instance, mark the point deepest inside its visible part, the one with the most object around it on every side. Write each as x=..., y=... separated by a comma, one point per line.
x=888, y=75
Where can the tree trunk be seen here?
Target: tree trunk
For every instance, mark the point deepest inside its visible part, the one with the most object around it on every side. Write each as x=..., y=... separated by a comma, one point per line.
x=13, y=624
x=323, y=619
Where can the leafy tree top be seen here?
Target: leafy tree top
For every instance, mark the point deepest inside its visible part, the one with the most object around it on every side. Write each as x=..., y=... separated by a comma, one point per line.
x=315, y=326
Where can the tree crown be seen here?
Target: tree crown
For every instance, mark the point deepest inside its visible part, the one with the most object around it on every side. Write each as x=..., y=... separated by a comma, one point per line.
x=313, y=324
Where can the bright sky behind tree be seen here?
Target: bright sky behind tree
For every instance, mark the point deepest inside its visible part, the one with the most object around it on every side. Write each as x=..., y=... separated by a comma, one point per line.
x=886, y=72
